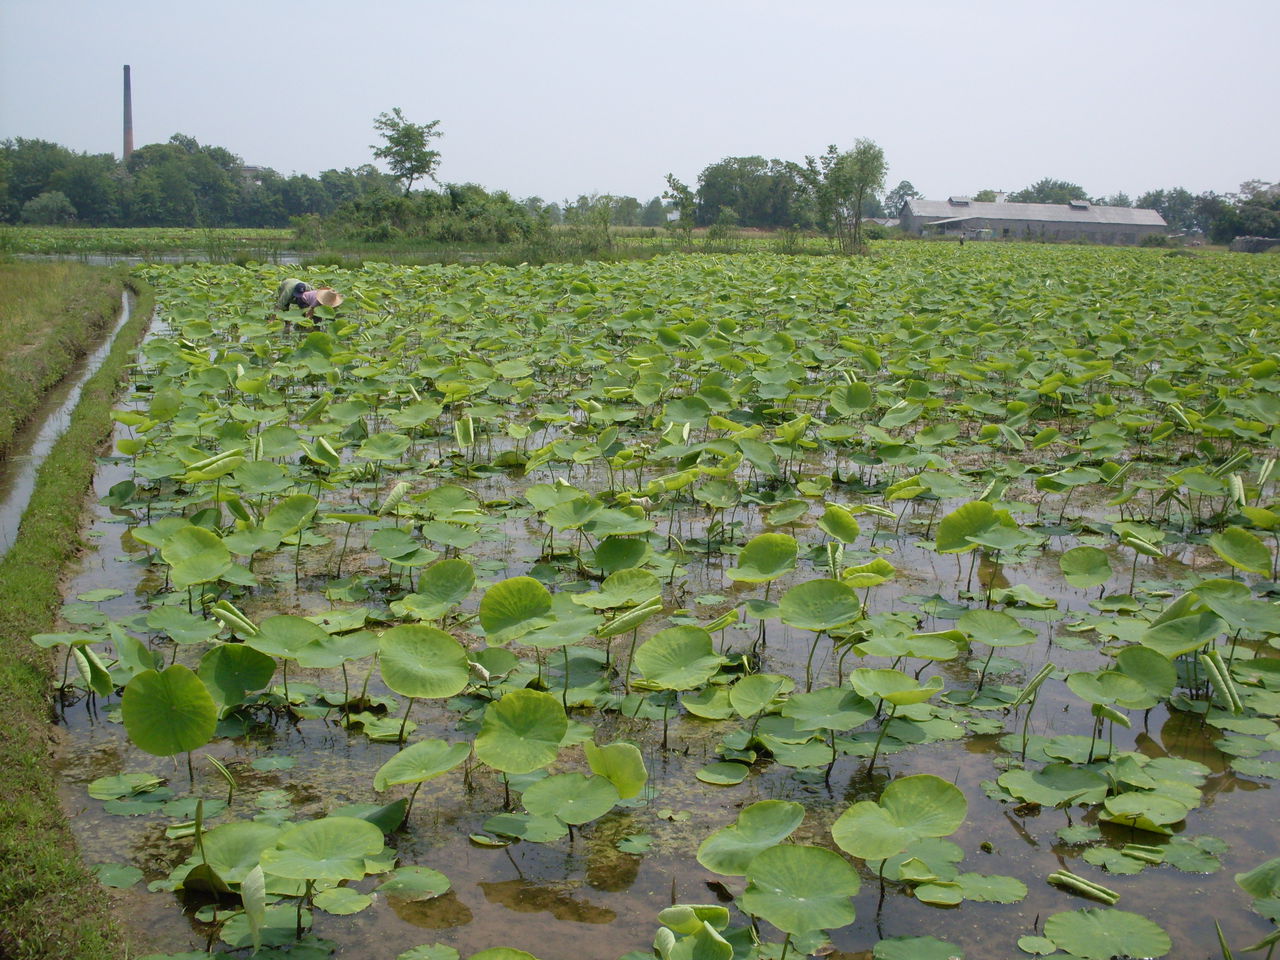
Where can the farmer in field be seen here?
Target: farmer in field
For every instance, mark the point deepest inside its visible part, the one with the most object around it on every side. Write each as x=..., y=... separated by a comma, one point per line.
x=294, y=292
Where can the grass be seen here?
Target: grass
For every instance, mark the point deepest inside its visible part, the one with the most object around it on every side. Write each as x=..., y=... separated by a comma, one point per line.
x=51, y=904
x=50, y=315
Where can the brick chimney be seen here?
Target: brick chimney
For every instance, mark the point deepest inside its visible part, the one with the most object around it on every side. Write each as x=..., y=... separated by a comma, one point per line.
x=128, y=115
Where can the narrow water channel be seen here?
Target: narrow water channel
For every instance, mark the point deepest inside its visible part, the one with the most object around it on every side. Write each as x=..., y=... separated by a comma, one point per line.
x=32, y=444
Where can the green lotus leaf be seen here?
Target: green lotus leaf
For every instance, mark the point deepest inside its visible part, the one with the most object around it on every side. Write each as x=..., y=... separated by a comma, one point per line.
x=521, y=732
x=196, y=555
x=625, y=588
x=1105, y=687
x=800, y=889
x=511, y=608
x=1085, y=567
x=893, y=686
x=910, y=808
x=1055, y=785
x=1099, y=934
x=383, y=446
x=753, y=693
x=830, y=708
x=730, y=850
x=819, y=605
x=333, y=848
x=296, y=638
x=234, y=849
x=571, y=797
x=621, y=764
x=421, y=661
x=232, y=670
x=420, y=762
x=168, y=712
x=764, y=558
x=994, y=628
x=1243, y=550
x=678, y=658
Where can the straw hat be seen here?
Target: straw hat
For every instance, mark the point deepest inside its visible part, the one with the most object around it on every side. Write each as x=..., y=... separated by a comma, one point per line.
x=328, y=297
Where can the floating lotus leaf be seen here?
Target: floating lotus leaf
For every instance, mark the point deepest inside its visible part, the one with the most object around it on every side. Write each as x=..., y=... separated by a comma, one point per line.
x=893, y=686
x=1098, y=934
x=296, y=638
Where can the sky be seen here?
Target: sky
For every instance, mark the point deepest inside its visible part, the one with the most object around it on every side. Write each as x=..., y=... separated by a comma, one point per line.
x=557, y=98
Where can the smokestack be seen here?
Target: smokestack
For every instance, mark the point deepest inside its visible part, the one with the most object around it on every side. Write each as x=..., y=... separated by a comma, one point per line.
x=128, y=115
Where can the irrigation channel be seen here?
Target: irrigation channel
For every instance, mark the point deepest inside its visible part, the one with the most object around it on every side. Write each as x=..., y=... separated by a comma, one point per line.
x=595, y=891
x=32, y=444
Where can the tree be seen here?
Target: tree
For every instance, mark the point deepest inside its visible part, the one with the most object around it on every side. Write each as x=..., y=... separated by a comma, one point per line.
x=653, y=215
x=1050, y=191
x=49, y=208
x=895, y=198
x=842, y=184
x=1177, y=206
x=686, y=207
x=985, y=196
x=407, y=149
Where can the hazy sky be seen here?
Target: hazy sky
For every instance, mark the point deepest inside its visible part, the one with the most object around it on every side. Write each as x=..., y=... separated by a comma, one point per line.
x=556, y=98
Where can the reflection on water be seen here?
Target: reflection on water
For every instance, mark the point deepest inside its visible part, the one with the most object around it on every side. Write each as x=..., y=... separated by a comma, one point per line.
x=522, y=896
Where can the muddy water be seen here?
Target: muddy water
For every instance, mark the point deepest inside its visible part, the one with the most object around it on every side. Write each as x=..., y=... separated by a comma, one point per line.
x=32, y=444
x=584, y=898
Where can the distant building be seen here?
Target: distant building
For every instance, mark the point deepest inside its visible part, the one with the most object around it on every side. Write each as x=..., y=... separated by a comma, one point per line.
x=1078, y=220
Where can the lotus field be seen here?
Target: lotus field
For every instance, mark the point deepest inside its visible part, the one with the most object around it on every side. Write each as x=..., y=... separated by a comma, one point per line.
x=918, y=606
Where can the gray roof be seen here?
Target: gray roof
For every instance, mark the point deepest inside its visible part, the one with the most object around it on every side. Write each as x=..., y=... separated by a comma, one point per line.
x=1079, y=212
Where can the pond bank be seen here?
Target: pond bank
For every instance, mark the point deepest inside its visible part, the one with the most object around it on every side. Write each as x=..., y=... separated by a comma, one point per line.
x=52, y=905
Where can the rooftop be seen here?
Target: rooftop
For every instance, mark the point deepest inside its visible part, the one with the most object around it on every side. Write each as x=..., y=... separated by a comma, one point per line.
x=1078, y=211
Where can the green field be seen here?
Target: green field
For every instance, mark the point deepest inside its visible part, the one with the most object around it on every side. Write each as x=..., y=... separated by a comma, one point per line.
x=920, y=604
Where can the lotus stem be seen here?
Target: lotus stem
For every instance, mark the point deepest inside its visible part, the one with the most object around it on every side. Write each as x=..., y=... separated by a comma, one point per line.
x=405, y=722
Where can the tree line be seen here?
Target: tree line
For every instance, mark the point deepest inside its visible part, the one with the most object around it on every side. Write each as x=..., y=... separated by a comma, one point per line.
x=184, y=183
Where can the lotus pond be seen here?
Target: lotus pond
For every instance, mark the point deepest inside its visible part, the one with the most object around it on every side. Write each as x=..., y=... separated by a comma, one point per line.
x=919, y=606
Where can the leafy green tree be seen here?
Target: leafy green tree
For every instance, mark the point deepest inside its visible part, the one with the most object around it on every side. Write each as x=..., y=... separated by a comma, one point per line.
x=1120, y=199
x=407, y=150
x=686, y=207
x=895, y=198
x=31, y=165
x=762, y=192
x=1049, y=191
x=49, y=208
x=1177, y=206
x=91, y=184
x=626, y=212
x=842, y=184
x=654, y=214
x=985, y=196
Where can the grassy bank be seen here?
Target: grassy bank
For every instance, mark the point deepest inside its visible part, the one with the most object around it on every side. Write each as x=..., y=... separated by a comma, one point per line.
x=51, y=905
x=50, y=315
